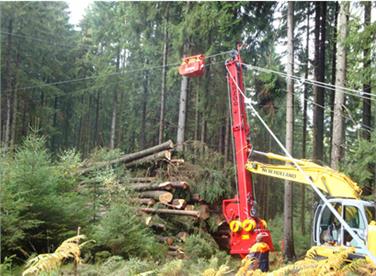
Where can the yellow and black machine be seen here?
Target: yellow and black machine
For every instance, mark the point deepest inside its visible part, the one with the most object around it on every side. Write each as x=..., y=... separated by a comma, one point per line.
x=344, y=195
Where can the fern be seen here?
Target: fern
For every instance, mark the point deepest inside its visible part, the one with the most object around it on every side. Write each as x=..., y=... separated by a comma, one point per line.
x=69, y=249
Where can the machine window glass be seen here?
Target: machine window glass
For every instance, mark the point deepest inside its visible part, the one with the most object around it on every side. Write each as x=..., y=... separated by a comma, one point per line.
x=370, y=213
x=325, y=217
x=329, y=225
x=353, y=217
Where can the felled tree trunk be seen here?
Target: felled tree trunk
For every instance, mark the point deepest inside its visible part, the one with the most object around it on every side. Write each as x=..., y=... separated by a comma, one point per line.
x=161, y=196
x=144, y=201
x=128, y=158
x=171, y=212
x=168, y=186
x=177, y=204
x=163, y=155
x=151, y=186
x=142, y=179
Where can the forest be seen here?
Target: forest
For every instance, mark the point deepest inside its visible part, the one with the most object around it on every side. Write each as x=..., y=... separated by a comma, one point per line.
x=103, y=140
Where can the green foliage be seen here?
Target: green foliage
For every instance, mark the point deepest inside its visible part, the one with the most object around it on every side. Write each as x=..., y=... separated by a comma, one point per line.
x=125, y=234
x=360, y=161
x=200, y=246
x=173, y=268
x=39, y=202
x=134, y=266
x=6, y=266
x=212, y=184
x=208, y=176
x=301, y=242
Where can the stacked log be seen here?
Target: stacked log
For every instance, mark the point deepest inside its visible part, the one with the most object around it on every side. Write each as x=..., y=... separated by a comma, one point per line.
x=162, y=199
x=153, y=154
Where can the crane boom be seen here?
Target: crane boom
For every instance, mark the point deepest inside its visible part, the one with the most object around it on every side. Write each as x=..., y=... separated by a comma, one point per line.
x=326, y=179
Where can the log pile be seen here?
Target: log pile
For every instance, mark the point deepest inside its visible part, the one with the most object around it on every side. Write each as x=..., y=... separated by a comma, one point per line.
x=166, y=203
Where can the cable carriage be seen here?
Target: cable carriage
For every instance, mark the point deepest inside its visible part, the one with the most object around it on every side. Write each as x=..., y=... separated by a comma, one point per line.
x=193, y=66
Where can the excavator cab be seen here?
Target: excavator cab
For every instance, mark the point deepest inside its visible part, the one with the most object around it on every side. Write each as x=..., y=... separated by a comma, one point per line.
x=359, y=215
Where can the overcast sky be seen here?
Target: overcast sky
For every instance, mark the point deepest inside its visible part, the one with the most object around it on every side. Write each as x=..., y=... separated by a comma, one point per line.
x=77, y=10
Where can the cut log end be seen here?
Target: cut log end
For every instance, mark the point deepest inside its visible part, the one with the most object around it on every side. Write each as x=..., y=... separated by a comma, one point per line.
x=162, y=196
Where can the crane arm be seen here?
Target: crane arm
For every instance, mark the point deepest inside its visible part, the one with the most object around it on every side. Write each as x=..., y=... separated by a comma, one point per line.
x=326, y=179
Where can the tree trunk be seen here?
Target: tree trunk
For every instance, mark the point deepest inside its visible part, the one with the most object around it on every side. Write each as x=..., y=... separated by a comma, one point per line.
x=142, y=179
x=367, y=84
x=127, y=158
x=197, y=95
x=144, y=106
x=171, y=212
x=15, y=105
x=288, y=226
x=54, y=124
x=154, y=158
x=333, y=78
x=114, y=107
x=140, y=187
x=161, y=196
x=339, y=101
x=302, y=202
x=144, y=201
x=8, y=87
x=164, y=78
x=227, y=137
x=182, y=114
x=319, y=72
x=96, y=124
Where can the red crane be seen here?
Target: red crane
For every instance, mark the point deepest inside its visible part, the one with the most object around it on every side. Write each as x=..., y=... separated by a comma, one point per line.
x=240, y=211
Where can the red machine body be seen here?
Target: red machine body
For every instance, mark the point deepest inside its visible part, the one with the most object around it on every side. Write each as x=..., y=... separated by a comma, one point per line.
x=239, y=211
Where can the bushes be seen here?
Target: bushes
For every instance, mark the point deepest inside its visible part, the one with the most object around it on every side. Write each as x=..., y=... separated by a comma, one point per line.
x=200, y=246
x=125, y=234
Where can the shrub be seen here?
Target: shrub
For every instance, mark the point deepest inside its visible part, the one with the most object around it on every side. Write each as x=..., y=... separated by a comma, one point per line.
x=124, y=233
x=200, y=246
x=39, y=203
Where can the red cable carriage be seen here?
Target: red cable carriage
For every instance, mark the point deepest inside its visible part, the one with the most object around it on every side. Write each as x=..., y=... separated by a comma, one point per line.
x=193, y=66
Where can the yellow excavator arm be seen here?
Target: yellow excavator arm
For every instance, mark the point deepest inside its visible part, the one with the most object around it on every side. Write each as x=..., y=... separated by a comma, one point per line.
x=326, y=179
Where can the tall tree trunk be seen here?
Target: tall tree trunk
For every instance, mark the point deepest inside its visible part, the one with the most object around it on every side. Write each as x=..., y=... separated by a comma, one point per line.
x=333, y=77
x=227, y=137
x=220, y=139
x=288, y=225
x=182, y=113
x=197, y=96
x=319, y=72
x=96, y=124
x=114, y=107
x=8, y=87
x=305, y=96
x=144, y=106
x=54, y=124
x=367, y=84
x=339, y=101
x=164, y=78
x=15, y=105
x=366, y=118
x=113, y=119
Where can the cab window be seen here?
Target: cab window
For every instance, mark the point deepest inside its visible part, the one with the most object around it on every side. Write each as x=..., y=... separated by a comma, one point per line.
x=353, y=218
x=370, y=213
